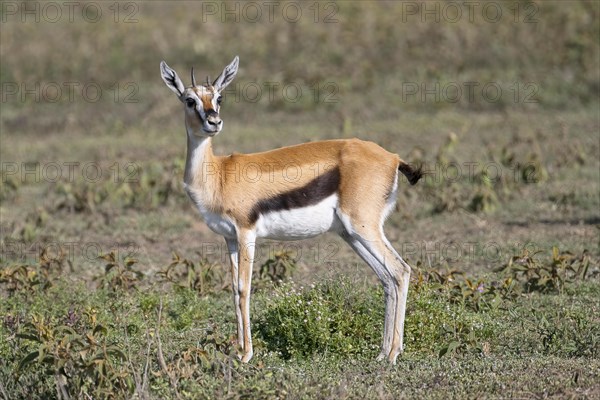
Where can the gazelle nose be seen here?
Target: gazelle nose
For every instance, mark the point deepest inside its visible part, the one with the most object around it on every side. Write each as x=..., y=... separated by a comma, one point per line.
x=213, y=118
x=216, y=121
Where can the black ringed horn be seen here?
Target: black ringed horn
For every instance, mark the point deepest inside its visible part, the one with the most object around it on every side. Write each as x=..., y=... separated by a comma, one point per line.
x=193, y=78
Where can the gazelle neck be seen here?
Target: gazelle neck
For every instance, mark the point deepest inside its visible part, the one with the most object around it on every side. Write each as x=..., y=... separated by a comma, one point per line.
x=200, y=163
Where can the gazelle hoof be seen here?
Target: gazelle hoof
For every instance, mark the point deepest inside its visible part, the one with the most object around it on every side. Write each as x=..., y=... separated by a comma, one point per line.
x=390, y=357
x=246, y=357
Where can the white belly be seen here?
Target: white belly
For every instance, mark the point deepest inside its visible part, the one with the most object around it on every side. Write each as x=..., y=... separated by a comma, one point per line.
x=298, y=223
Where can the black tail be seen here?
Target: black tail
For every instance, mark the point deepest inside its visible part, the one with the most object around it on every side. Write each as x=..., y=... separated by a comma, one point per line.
x=412, y=174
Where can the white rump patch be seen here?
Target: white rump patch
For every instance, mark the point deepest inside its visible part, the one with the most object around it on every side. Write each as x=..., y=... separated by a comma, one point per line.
x=390, y=203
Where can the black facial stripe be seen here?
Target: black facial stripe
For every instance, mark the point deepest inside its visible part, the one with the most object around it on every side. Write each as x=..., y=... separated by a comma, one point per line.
x=312, y=193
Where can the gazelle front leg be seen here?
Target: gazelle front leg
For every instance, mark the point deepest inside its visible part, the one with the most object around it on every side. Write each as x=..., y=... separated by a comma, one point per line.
x=233, y=249
x=246, y=247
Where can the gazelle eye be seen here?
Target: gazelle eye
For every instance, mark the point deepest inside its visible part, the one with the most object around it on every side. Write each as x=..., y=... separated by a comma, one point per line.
x=219, y=100
x=190, y=102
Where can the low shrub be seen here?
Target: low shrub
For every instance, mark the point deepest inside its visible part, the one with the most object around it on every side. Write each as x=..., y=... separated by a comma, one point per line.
x=536, y=275
x=327, y=317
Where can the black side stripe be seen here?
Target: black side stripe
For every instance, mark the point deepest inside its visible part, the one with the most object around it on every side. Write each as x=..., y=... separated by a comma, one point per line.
x=312, y=193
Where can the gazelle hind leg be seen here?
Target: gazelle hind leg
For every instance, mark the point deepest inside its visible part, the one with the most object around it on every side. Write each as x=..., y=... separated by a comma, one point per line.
x=403, y=269
x=397, y=273
x=389, y=291
x=400, y=277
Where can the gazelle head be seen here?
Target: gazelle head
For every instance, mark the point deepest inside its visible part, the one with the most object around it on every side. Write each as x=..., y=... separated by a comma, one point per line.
x=202, y=102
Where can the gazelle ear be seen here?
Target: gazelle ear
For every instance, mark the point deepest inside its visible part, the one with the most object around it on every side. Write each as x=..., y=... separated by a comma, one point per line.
x=171, y=79
x=227, y=75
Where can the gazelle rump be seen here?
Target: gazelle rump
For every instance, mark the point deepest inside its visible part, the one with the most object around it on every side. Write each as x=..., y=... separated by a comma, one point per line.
x=347, y=186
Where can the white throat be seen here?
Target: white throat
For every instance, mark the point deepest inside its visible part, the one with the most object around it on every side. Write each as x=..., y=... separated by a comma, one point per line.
x=198, y=160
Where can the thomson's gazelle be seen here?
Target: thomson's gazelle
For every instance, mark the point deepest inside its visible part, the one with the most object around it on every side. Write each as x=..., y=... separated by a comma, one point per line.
x=345, y=186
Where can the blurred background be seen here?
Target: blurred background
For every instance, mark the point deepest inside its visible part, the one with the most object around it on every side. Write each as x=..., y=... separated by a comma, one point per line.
x=368, y=53
x=511, y=83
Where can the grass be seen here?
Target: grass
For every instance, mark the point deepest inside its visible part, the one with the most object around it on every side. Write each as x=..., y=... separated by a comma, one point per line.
x=111, y=286
x=314, y=341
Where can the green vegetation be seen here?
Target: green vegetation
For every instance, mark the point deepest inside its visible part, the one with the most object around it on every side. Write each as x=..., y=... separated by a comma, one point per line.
x=174, y=341
x=112, y=287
